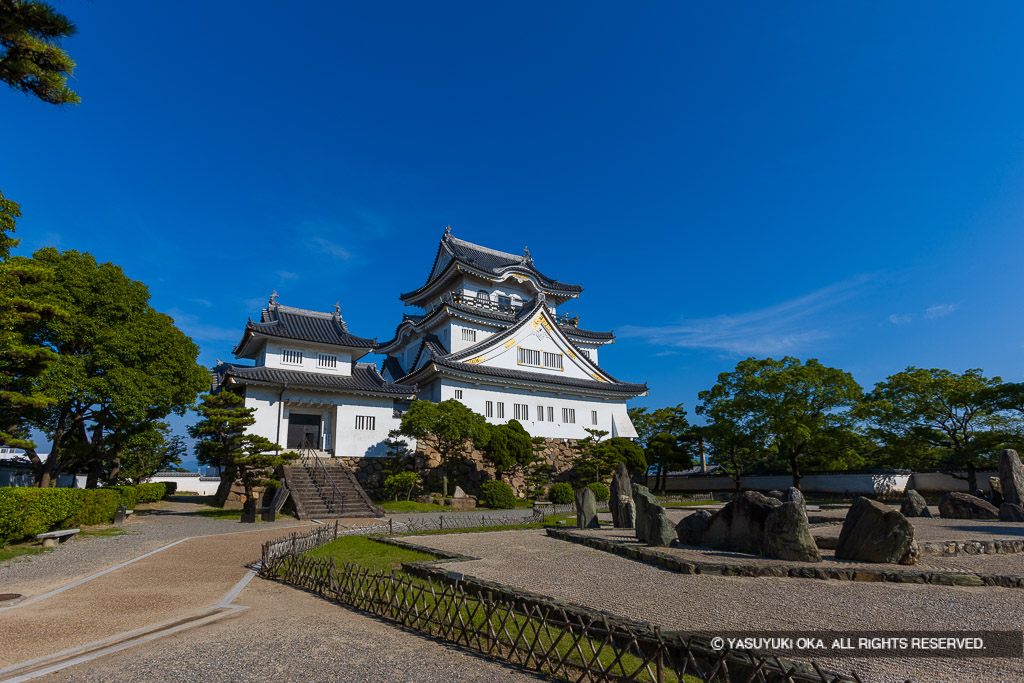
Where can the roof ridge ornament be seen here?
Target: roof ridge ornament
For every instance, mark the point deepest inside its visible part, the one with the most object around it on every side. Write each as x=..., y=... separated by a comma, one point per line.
x=448, y=230
x=526, y=255
x=273, y=299
x=337, y=308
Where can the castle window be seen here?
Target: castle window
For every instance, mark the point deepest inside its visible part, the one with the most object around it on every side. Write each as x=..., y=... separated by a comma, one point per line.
x=291, y=356
x=489, y=409
x=458, y=394
x=326, y=360
x=593, y=417
x=540, y=413
x=553, y=360
x=501, y=410
x=529, y=357
x=483, y=296
x=521, y=411
x=366, y=422
x=504, y=301
x=468, y=334
x=551, y=414
x=569, y=415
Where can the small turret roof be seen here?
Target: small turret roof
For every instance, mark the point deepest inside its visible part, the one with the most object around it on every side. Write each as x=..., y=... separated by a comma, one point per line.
x=286, y=322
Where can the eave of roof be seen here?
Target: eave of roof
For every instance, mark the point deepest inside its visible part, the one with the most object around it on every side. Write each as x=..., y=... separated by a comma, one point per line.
x=285, y=322
x=364, y=379
x=527, y=377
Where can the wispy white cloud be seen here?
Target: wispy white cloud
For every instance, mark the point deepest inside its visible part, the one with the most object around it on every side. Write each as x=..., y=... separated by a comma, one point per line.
x=782, y=328
x=287, y=275
x=900, y=318
x=205, y=303
x=194, y=327
x=939, y=311
x=332, y=248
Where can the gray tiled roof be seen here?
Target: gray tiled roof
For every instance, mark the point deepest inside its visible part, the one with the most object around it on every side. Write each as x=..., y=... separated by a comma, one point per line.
x=392, y=365
x=490, y=261
x=503, y=373
x=585, y=334
x=364, y=377
x=299, y=324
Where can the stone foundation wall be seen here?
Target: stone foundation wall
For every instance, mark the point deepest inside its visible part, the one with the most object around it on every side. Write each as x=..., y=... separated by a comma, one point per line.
x=469, y=474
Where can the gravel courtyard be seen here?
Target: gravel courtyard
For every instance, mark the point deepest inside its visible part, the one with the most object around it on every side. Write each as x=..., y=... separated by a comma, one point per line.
x=532, y=561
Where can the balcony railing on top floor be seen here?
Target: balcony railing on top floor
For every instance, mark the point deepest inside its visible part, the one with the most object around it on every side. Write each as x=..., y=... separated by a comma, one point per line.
x=506, y=308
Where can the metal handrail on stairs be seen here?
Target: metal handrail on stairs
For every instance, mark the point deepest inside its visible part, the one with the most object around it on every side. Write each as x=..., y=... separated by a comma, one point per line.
x=311, y=462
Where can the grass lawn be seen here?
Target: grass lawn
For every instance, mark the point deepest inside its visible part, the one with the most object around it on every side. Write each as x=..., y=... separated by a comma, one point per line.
x=548, y=521
x=414, y=506
x=100, y=532
x=691, y=503
x=368, y=553
x=21, y=550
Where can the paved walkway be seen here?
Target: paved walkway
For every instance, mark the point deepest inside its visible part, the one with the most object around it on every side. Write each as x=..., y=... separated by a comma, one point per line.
x=532, y=561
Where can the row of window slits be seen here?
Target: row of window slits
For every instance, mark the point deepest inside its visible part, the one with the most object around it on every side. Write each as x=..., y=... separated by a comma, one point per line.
x=521, y=411
x=323, y=360
x=366, y=422
x=533, y=357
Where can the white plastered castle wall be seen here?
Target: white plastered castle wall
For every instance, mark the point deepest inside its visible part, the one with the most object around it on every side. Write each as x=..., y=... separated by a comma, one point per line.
x=272, y=357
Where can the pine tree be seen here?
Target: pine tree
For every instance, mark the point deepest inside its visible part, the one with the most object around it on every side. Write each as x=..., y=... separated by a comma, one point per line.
x=222, y=441
x=31, y=58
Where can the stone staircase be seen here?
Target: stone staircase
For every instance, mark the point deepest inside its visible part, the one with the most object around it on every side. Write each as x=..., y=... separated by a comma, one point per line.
x=328, y=490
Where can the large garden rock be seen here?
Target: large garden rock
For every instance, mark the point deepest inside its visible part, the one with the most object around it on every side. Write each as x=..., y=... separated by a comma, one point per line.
x=1011, y=477
x=914, y=505
x=874, y=533
x=627, y=512
x=642, y=499
x=997, y=491
x=956, y=505
x=1011, y=512
x=586, y=509
x=690, y=531
x=660, y=531
x=795, y=495
x=621, y=488
x=777, y=495
x=740, y=524
x=787, y=535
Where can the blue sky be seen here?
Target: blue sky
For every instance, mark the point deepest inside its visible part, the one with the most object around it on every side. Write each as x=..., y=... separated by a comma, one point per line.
x=824, y=180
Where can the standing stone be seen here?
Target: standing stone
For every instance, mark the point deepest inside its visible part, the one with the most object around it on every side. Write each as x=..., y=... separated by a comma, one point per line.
x=690, y=531
x=586, y=509
x=794, y=495
x=997, y=491
x=627, y=512
x=459, y=493
x=660, y=531
x=621, y=488
x=1011, y=512
x=956, y=505
x=642, y=499
x=1011, y=477
x=787, y=535
x=740, y=524
x=874, y=533
x=914, y=505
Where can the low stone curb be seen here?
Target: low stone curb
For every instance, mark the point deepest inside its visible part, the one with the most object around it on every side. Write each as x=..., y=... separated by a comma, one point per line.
x=668, y=562
x=955, y=548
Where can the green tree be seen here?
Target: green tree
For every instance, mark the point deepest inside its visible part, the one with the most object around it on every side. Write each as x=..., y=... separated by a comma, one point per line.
x=667, y=451
x=155, y=449
x=667, y=420
x=31, y=58
x=448, y=427
x=23, y=357
x=937, y=417
x=121, y=364
x=801, y=410
x=508, y=448
x=222, y=441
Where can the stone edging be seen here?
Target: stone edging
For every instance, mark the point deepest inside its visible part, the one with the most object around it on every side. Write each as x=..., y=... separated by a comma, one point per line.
x=958, y=548
x=671, y=563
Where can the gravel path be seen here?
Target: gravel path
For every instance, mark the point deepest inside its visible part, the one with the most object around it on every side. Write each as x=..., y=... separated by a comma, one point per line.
x=532, y=561
x=289, y=635
x=148, y=529
x=984, y=564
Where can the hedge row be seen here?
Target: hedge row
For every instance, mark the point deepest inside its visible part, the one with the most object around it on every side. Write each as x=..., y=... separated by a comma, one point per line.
x=26, y=511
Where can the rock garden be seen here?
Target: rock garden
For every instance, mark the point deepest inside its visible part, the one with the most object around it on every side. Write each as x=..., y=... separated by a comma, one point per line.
x=967, y=541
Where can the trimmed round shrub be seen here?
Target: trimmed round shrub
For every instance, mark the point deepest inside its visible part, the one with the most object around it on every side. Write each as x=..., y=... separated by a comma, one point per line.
x=561, y=493
x=601, y=491
x=496, y=494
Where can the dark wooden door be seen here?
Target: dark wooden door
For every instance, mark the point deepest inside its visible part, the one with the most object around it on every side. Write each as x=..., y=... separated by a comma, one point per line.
x=303, y=427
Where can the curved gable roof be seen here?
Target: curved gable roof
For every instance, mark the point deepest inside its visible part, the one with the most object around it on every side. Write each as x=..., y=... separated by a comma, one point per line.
x=299, y=324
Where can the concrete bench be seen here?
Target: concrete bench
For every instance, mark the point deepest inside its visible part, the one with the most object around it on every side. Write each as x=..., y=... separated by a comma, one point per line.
x=51, y=538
